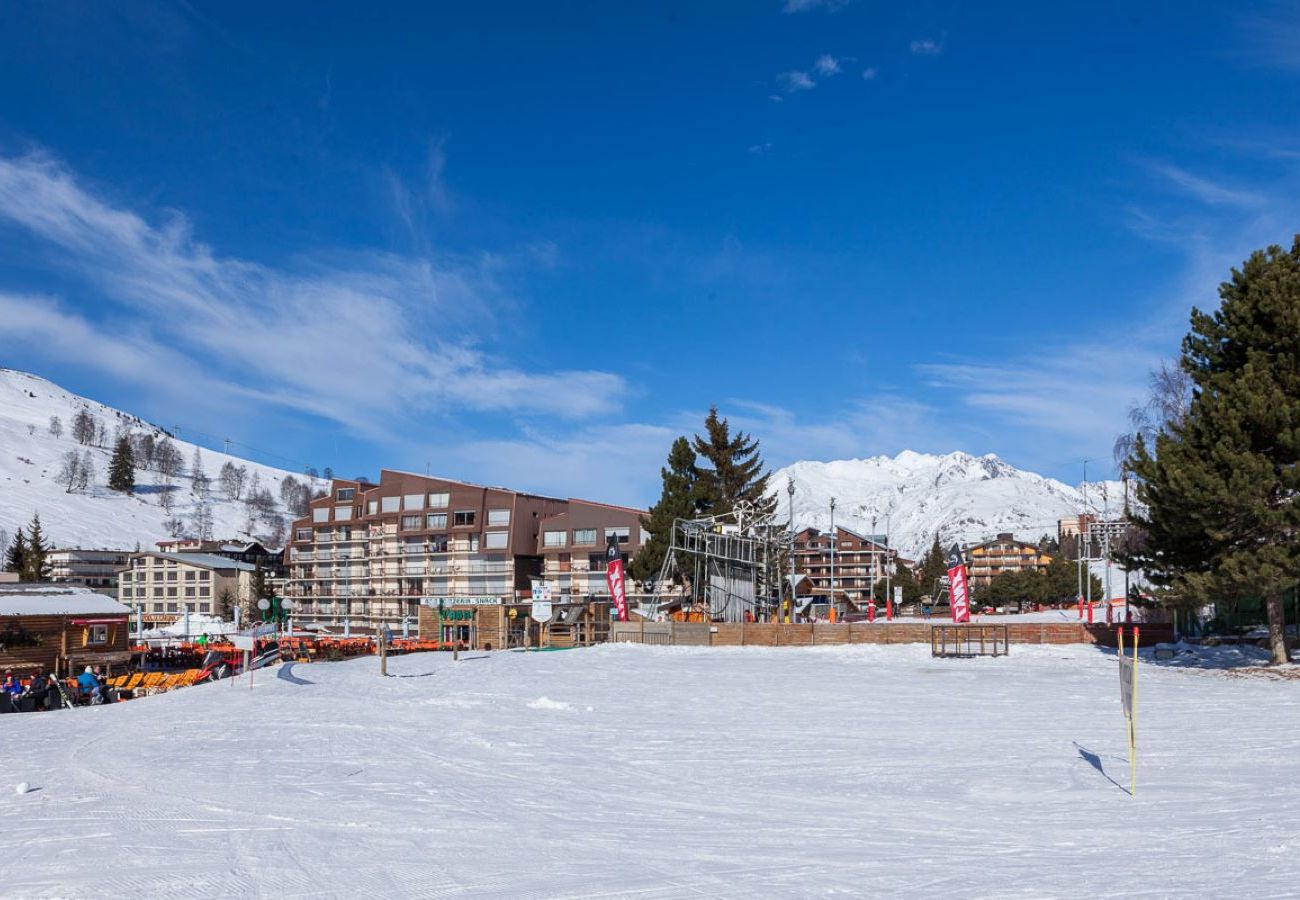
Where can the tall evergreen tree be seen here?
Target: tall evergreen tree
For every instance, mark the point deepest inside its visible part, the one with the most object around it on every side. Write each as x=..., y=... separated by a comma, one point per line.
x=677, y=501
x=121, y=468
x=1221, y=486
x=36, y=567
x=931, y=567
x=734, y=469
x=16, y=554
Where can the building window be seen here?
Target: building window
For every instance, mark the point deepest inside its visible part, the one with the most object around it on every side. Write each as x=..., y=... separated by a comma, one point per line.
x=495, y=540
x=171, y=576
x=621, y=533
x=596, y=561
x=553, y=538
x=345, y=494
x=205, y=575
x=171, y=592
x=390, y=504
x=463, y=517
x=320, y=514
x=189, y=575
x=473, y=543
x=189, y=592
x=436, y=520
x=205, y=591
x=205, y=607
x=342, y=513
x=372, y=507
x=412, y=523
x=584, y=535
x=437, y=543
x=171, y=607
x=439, y=501
x=304, y=534
x=498, y=517
x=139, y=592
x=98, y=634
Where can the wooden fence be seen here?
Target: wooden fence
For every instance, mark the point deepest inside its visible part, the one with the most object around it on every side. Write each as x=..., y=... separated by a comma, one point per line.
x=764, y=634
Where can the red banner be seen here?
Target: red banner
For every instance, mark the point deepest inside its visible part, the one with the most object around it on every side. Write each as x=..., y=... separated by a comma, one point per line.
x=615, y=578
x=958, y=588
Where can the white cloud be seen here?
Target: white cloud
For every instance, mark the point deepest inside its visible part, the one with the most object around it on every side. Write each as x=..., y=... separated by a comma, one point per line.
x=827, y=65
x=793, y=82
x=760, y=148
x=1207, y=191
x=870, y=73
x=926, y=47
x=361, y=341
x=801, y=6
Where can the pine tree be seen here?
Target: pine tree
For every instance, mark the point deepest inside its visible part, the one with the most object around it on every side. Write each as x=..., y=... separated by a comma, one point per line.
x=1221, y=486
x=36, y=567
x=932, y=566
x=121, y=468
x=734, y=472
x=16, y=554
x=678, y=501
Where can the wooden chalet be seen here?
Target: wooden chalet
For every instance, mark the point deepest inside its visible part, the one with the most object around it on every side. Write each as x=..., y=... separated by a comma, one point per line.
x=61, y=629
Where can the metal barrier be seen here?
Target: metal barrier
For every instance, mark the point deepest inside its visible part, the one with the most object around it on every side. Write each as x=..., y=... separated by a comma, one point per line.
x=969, y=640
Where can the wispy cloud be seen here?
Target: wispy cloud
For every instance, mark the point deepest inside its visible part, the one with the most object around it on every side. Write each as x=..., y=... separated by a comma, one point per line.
x=795, y=81
x=1207, y=191
x=360, y=339
x=826, y=65
x=802, y=6
x=759, y=149
x=926, y=47
x=870, y=73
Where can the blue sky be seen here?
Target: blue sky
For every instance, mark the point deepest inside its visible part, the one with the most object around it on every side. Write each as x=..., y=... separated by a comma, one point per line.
x=529, y=243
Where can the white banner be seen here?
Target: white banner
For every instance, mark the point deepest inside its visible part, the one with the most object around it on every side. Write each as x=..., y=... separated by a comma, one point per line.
x=1126, y=684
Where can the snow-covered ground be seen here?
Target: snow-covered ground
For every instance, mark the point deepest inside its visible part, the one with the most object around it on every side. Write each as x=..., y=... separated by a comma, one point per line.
x=97, y=518
x=664, y=772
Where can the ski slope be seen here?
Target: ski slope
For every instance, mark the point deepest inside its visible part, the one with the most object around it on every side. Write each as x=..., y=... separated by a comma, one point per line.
x=30, y=459
x=664, y=772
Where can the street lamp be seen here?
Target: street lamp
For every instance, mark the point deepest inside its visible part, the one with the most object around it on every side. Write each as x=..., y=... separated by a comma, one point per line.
x=834, y=541
x=789, y=489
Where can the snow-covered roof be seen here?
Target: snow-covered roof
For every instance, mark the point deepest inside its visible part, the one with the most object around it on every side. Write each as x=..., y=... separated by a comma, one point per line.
x=207, y=560
x=55, y=600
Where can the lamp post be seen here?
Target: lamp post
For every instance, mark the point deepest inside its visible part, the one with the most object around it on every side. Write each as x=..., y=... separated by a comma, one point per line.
x=833, y=543
x=789, y=489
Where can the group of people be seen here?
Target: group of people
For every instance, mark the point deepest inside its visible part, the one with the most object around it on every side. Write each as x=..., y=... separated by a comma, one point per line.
x=41, y=692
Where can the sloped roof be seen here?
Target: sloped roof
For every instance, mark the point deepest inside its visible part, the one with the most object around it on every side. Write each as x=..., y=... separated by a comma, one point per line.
x=207, y=560
x=56, y=600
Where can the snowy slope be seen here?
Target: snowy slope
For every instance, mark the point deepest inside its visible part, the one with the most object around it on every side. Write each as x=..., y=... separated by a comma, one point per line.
x=838, y=771
x=915, y=496
x=30, y=459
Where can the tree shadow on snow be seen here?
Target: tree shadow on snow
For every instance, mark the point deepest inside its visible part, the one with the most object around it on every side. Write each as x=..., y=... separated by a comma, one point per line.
x=1094, y=760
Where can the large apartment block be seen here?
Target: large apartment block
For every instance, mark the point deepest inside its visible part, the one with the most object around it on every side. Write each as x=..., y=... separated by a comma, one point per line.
x=575, y=545
x=374, y=553
x=861, y=563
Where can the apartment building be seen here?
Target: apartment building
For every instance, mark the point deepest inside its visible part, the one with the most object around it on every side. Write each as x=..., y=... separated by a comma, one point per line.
x=1002, y=554
x=95, y=569
x=574, y=546
x=254, y=552
x=861, y=563
x=371, y=553
x=164, y=585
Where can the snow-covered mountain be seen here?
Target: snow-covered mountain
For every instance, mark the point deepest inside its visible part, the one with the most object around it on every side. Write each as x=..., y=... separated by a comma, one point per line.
x=915, y=496
x=31, y=457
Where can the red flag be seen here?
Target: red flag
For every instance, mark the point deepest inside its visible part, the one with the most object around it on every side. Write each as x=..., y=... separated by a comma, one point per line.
x=958, y=590
x=615, y=578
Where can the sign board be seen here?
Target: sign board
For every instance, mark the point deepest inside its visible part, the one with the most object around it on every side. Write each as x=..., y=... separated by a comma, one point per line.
x=241, y=641
x=460, y=601
x=1126, y=684
x=898, y=596
x=542, y=611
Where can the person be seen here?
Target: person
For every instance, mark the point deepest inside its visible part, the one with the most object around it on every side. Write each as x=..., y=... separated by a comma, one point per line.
x=89, y=685
x=37, y=693
x=12, y=686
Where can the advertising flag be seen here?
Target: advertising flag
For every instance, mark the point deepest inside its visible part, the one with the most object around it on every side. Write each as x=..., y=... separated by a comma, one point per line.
x=958, y=589
x=614, y=575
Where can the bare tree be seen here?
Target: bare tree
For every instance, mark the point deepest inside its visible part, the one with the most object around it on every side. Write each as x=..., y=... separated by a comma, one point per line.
x=70, y=472
x=167, y=460
x=1170, y=395
x=174, y=526
x=202, y=521
x=83, y=427
x=87, y=471
x=198, y=477
x=56, y=427
x=142, y=450
x=233, y=478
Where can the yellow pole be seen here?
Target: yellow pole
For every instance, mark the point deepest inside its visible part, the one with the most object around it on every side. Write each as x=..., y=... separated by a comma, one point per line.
x=1132, y=724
